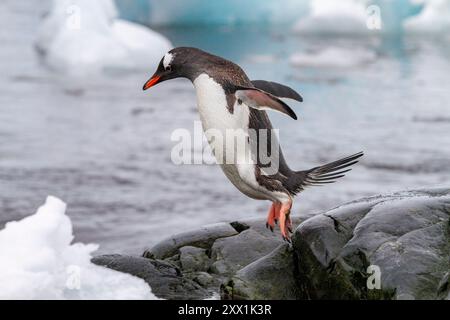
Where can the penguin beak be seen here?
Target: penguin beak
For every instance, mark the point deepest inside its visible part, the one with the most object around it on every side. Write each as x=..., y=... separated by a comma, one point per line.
x=150, y=83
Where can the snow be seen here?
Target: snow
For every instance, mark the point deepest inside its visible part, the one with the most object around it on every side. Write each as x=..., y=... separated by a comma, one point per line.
x=38, y=261
x=84, y=37
x=331, y=16
x=334, y=57
x=434, y=18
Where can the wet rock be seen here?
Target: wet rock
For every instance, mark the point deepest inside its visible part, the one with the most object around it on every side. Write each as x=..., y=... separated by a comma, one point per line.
x=444, y=287
x=212, y=254
x=201, y=238
x=234, y=253
x=165, y=280
x=205, y=279
x=194, y=259
x=402, y=238
x=394, y=246
x=271, y=277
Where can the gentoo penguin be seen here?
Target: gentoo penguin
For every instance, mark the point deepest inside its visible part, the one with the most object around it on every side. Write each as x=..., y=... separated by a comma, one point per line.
x=228, y=100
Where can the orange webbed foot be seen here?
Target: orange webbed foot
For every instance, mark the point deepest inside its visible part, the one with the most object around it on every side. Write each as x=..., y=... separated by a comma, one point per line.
x=280, y=212
x=285, y=221
x=271, y=217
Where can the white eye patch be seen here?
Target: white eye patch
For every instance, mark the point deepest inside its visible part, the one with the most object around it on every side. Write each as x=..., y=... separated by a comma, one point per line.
x=168, y=57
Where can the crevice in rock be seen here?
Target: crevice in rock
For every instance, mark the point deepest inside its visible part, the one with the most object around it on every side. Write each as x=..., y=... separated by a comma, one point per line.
x=300, y=278
x=444, y=286
x=147, y=254
x=208, y=252
x=336, y=223
x=239, y=226
x=226, y=291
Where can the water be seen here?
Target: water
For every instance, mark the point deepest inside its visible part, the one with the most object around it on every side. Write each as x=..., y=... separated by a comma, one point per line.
x=103, y=146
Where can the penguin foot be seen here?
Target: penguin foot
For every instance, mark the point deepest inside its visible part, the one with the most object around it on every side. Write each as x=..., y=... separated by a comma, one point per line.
x=273, y=216
x=285, y=221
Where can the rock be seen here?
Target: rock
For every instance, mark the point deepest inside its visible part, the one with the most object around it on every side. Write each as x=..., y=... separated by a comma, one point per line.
x=211, y=254
x=270, y=277
x=234, y=253
x=404, y=235
x=165, y=280
x=252, y=243
x=194, y=259
x=444, y=287
x=394, y=246
x=204, y=279
x=201, y=238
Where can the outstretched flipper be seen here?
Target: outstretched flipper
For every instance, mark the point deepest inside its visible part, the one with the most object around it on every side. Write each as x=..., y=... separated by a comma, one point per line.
x=277, y=89
x=261, y=100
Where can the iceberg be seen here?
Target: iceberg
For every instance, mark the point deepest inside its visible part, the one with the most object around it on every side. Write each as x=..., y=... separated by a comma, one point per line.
x=434, y=18
x=362, y=17
x=207, y=12
x=344, y=17
x=84, y=37
x=334, y=57
x=330, y=16
x=39, y=261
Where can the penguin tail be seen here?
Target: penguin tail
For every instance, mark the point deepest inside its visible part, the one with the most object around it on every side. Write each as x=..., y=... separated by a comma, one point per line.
x=321, y=175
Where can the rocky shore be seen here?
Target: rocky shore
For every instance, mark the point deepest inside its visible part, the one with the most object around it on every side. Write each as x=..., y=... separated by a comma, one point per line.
x=394, y=246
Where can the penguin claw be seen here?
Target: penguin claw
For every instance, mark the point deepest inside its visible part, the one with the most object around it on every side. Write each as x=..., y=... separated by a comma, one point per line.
x=289, y=229
x=276, y=221
x=268, y=226
x=287, y=239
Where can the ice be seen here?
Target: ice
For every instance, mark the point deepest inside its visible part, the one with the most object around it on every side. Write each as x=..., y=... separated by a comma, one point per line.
x=201, y=12
x=38, y=261
x=83, y=37
x=334, y=57
x=330, y=16
x=434, y=18
x=312, y=16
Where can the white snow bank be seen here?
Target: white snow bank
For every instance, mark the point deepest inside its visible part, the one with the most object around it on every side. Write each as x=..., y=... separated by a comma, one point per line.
x=38, y=261
x=85, y=36
x=334, y=57
x=434, y=18
x=335, y=17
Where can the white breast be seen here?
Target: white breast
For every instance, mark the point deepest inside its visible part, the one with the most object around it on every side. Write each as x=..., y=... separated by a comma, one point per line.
x=215, y=117
x=212, y=105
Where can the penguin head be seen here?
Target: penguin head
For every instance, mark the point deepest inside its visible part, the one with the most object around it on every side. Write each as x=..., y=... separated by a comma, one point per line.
x=181, y=62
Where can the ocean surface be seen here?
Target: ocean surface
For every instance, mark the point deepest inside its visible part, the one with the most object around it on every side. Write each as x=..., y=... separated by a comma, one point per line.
x=103, y=145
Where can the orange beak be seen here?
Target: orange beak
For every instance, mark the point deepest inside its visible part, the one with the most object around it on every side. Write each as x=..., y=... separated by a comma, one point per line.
x=150, y=83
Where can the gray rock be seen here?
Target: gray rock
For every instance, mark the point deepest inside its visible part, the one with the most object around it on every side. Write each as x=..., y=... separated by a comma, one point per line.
x=253, y=242
x=165, y=280
x=205, y=279
x=201, y=238
x=405, y=235
x=234, y=253
x=444, y=287
x=194, y=259
x=209, y=255
x=399, y=241
x=271, y=277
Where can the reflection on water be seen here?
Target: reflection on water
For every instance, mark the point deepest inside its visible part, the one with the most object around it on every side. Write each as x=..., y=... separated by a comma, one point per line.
x=104, y=146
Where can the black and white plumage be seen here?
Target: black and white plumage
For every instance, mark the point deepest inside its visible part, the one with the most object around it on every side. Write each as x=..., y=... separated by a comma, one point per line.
x=228, y=99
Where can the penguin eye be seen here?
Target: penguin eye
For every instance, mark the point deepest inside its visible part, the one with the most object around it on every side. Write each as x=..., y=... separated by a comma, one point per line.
x=169, y=68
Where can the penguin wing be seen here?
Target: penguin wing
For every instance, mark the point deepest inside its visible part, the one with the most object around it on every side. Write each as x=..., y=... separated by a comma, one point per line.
x=278, y=90
x=261, y=100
